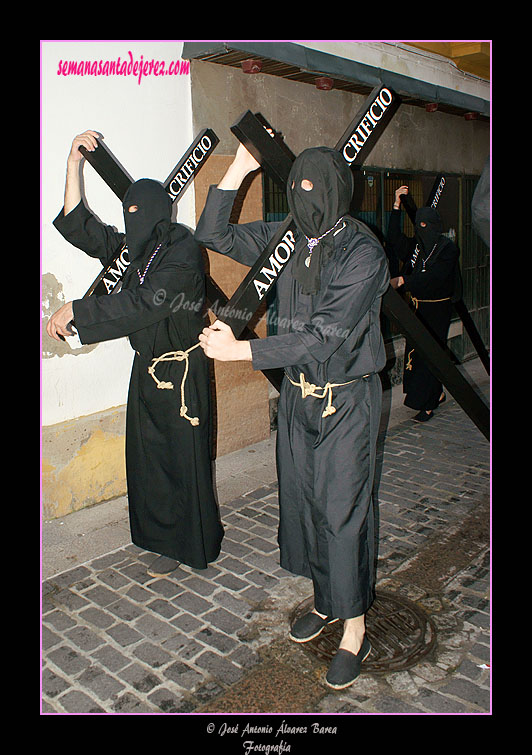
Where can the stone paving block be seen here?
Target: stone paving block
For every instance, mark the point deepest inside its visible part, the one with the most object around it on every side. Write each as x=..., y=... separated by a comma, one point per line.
x=130, y=703
x=467, y=691
x=218, y=640
x=154, y=628
x=113, y=579
x=70, y=601
x=218, y=666
x=124, y=609
x=165, y=587
x=260, y=544
x=78, y=702
x=237, y=605
x=163, y=608
x=71, y=576
x=183, y=646
x=435, y=702
x=68, y=660
x=137, y=572
x=231, y=582
x=111, y=658
x=84, y=638
x=236, y=549
x=186, y=623
x=169, y=702
x=53, y=684
x=244, y=656
x=141, y=678
x=389, y=704
x=124, y=635
x=224, y=620
x=99, y=683
x=138, y=594
x=233, y=565
x=49, y=638
x=97, y=617
x=197, y=584
x=152, y=655
x=184, y=675
x=192, y=603
x=100, y=595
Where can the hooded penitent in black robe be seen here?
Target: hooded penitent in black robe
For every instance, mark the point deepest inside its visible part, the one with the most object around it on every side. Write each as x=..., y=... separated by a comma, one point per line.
x=328, y=331
x=172, y=506
x=432, y=277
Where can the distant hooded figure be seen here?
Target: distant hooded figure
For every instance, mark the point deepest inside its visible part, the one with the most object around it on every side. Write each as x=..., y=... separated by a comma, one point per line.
x=431, y=276
x=330, y=345
x=172, y=506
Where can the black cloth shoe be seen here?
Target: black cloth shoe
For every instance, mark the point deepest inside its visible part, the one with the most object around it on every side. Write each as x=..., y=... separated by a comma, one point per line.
x=423, y=416
x=309, y=626
x=162, y=566
x=345, y=666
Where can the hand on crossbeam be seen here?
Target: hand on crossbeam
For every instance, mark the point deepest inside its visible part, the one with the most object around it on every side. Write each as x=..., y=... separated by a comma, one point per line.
x=88, y=139
x=218, y=342
x=243, y=163
x=398, y=192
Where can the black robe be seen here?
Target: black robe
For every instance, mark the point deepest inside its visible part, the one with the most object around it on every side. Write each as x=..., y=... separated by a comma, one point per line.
x=325, y=464
x=439, y=282
x=172, y=505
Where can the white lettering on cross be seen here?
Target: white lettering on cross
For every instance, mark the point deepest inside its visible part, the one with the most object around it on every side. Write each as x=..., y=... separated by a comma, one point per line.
x=277, y=260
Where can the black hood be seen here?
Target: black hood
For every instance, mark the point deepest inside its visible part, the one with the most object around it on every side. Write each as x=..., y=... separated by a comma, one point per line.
x=428, y=236
x=318, y=210
x=148, y=226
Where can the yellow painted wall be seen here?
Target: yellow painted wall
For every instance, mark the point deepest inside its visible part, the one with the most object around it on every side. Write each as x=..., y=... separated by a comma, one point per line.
x=83, y=463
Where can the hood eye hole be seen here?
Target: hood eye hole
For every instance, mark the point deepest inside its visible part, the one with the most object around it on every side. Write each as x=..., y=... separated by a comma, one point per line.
x=132, y=208
x=307, y=185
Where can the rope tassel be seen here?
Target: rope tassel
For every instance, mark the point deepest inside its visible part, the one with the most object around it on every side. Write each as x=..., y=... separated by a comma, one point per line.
x=175, y=356
x=309, y=389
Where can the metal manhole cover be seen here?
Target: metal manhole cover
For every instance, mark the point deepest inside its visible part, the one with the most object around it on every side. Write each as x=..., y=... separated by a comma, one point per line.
x=401, y=634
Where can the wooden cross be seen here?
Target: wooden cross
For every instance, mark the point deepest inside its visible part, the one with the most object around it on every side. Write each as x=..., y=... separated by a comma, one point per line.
x=118, y=179
x=357, y=141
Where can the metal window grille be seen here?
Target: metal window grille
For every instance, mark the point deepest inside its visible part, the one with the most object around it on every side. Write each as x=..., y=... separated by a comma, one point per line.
x=372, y=204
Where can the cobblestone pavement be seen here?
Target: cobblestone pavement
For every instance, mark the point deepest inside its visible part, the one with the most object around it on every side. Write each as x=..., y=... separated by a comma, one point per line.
x=118, y=641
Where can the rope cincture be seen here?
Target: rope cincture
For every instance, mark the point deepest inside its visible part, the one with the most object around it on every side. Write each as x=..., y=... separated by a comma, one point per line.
x=309, y=389
x=178, y=356
x=415, y=301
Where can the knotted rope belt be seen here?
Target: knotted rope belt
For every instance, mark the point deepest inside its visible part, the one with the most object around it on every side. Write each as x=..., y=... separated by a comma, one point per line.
x=309, y=389
x=175, y=356
x=415, y=301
